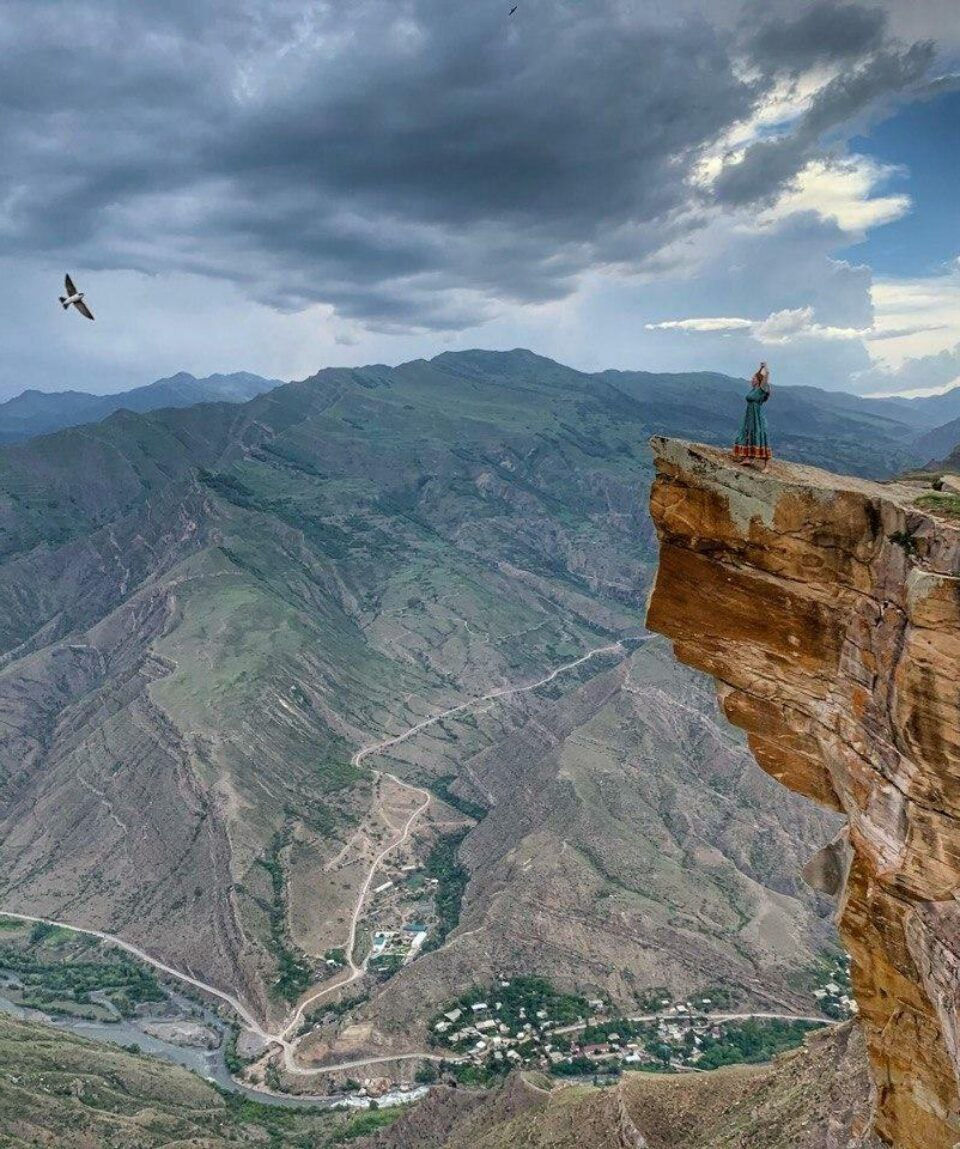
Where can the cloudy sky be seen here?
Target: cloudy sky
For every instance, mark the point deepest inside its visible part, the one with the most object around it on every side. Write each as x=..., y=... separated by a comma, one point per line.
x=662, y=184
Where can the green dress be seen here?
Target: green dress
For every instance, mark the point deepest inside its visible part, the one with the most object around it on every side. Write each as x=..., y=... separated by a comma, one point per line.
x=752, y=441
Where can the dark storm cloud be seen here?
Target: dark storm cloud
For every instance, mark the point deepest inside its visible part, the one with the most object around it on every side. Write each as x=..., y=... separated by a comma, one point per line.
x=411, y=162
x=824, y=32
x=770, y=164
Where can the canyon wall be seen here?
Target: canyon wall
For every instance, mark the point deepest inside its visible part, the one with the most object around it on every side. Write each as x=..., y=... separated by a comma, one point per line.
x=828, y=610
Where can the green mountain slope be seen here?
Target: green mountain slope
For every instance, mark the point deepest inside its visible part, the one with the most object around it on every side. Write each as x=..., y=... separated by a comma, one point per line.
x=206, y=611
x=938, y=443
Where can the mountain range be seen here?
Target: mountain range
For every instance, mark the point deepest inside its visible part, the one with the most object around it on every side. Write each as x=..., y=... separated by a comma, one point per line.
x=40, y=412
x=705, y=405
x=206, y=611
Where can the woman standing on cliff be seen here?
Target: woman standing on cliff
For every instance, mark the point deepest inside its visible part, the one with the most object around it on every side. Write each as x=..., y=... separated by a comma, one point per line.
x=752, y=441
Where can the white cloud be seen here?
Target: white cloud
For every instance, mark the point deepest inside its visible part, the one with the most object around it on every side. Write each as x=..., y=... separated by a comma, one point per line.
x=780, y=107
x=799, y=323
x=914, y=318
x=778, y=328
x=706, y=324
x=905, y=341
x=842, y=190
x=925, y=375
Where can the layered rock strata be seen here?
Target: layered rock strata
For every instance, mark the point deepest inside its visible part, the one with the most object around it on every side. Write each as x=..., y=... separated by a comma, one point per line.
x=828, y=610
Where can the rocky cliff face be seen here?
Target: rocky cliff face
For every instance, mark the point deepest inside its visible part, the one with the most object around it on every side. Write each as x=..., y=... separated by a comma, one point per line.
x=828, y=609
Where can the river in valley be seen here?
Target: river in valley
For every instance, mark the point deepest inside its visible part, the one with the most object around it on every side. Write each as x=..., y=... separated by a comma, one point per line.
x=208, y=1063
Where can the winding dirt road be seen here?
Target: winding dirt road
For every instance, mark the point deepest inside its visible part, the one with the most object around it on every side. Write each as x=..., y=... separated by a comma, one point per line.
x=369, y=751
x=283, y=1036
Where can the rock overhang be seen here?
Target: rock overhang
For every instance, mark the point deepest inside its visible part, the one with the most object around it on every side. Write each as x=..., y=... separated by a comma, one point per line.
x=828, y=610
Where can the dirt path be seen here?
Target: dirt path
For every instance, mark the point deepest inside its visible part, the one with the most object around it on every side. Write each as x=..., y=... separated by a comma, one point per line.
x=356, y=971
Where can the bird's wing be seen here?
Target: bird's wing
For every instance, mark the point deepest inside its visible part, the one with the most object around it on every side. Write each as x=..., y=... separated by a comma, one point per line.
x=68, y=284
x=83, y=309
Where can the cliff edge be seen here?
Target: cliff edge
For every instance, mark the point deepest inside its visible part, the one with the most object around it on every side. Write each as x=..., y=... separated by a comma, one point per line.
x=828, y=610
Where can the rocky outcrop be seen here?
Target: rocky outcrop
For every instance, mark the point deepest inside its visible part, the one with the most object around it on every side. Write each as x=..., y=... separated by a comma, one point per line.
x=828, y=609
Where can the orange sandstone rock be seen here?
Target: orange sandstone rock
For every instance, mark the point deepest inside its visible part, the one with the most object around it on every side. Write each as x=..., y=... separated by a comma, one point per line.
x=828, y=609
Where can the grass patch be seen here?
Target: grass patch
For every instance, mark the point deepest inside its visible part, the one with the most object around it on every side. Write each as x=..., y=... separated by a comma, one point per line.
x=46, y=933
x=947, y=506
x=364, y=1124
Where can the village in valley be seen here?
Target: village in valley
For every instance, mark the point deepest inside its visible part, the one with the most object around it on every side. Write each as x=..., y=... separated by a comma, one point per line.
x=525, y=1022
x=520, y=1020
x=403, y=914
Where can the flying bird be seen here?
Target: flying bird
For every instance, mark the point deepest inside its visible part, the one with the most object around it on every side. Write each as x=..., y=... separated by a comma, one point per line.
x=75, y=297
x=514, y=8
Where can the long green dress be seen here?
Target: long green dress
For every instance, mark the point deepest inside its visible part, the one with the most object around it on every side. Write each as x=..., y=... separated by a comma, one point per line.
x=752, y=441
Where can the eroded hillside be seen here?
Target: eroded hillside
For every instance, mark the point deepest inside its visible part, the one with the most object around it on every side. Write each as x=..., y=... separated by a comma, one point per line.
x=207, y=612
x=827, y=609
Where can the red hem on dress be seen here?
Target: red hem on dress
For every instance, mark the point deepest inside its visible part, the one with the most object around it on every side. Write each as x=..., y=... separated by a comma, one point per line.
x=752, y=452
